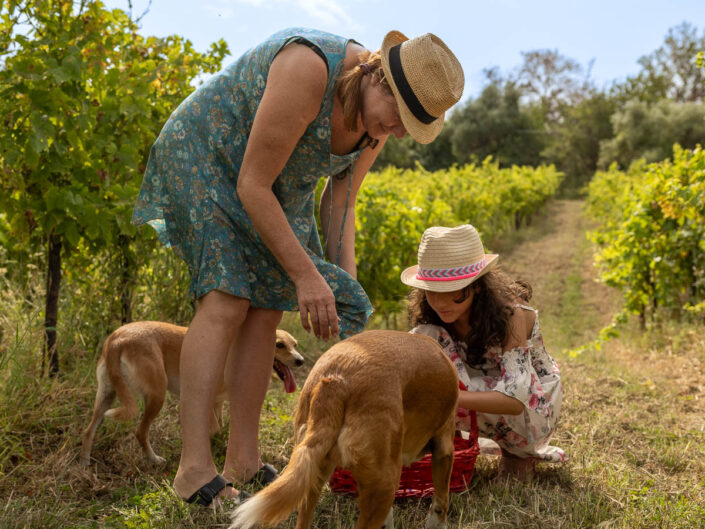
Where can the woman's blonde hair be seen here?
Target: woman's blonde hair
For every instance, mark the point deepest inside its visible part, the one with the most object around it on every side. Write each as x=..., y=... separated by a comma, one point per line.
x=347, y=87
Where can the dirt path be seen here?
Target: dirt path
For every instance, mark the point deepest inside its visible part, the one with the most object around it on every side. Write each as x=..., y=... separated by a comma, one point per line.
x=555, y=256
x=632, y=417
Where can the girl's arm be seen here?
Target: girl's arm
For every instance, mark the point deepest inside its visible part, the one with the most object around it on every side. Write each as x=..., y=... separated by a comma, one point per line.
x=520, y=325
x=333, y=217
x=490, y=402
x=292, y=98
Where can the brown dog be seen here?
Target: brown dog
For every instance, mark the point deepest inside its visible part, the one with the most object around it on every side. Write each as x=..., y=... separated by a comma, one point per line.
x=370, y=404
x=143, y=357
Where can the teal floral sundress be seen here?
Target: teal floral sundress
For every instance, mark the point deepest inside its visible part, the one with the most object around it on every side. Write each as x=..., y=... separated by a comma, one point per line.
x=189, y=196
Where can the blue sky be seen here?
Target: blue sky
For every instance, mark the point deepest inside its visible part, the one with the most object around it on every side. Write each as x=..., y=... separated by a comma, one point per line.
x=482, y=34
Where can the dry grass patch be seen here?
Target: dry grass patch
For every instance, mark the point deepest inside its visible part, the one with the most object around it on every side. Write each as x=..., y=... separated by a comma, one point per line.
x=639, y=432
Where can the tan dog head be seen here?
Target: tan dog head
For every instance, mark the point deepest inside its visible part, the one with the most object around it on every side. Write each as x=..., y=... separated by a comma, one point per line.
x=285, y=357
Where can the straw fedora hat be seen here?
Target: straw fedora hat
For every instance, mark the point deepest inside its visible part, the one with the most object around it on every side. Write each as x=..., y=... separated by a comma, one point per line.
x=426, y=80
x=449, y=259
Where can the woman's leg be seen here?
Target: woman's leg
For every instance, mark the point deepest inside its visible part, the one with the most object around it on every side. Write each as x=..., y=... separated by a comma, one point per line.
x=247, y=375
x=203, y=355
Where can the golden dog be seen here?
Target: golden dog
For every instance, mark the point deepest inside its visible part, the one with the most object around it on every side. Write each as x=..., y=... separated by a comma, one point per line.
x=143, y=357
x=371, y=403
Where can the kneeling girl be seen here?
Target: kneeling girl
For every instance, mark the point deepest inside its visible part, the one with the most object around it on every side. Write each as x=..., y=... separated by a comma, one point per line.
x=483, y=321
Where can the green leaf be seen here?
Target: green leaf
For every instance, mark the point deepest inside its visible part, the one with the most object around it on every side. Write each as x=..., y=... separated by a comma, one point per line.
x=91, y=226
x=71, y=67
x=72, y=234
x=60, y=74
x=42, y=131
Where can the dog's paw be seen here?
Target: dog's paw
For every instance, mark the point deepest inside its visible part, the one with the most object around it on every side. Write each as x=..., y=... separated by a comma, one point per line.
x=389, y=521
x=121, y=414
x=434, y=521
x=157, y=460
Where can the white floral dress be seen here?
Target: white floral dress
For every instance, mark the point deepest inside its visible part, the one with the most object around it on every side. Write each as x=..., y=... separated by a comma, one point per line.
x=528, y=374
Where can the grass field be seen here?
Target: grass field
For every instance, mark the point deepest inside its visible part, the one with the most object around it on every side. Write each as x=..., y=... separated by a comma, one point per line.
x=633, y=424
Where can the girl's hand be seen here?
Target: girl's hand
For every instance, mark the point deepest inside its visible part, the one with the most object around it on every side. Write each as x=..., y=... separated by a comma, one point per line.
x=316, y=301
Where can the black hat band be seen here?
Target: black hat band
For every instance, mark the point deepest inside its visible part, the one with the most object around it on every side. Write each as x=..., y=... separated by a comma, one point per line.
x=407, y=94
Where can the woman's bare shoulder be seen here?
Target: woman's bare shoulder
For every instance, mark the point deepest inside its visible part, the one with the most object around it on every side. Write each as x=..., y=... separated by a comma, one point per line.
x=298, y=76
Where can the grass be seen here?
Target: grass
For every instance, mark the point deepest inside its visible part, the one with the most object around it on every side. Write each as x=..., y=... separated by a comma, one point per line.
x=632, y=424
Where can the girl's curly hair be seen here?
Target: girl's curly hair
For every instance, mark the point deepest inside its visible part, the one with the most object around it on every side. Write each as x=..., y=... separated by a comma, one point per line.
x=495, y=294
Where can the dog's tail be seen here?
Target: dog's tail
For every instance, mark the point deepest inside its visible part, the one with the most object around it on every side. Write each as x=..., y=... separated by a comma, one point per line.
x=303, y=475
x=113, y=353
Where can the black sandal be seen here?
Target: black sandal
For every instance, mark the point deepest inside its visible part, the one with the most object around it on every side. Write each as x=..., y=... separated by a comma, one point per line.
x=208, y=492
x=264, y=476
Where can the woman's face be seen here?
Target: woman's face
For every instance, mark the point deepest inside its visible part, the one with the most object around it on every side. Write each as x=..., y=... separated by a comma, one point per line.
x=450, y=310
x=380, y=115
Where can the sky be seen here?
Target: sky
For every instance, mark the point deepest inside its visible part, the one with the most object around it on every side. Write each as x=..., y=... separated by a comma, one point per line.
x=482, y=33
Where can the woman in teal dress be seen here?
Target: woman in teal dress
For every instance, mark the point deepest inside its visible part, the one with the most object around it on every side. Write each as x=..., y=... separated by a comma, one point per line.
x=230, y=186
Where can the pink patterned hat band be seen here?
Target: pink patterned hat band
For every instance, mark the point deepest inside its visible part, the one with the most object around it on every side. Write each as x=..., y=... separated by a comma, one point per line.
x=450, y=274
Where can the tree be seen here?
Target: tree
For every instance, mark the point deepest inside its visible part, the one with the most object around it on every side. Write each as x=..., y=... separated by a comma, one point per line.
x=497, y=125
x=649, y=131
x=397, y=153
x=438, y=154
x=671, y=71
x=406, y=153
x=574, y=142
x=82, y=97
x=674, y=64
x=550, y=79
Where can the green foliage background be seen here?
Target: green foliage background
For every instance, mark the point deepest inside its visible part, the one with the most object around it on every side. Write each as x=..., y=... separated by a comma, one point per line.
x=395, y=207
x=651, y=233
x=549, y=111
x=82, y=98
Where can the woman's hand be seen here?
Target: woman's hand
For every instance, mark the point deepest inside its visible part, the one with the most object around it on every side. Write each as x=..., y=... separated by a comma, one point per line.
x=316, y=301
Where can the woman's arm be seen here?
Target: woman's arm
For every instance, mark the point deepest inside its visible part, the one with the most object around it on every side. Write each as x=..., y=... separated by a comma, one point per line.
x=292, y=98
x=490, y=402
x=332, y=218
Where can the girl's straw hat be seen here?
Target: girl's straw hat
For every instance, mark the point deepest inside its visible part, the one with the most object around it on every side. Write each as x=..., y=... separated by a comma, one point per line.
x=449, y=259
x=426, y=80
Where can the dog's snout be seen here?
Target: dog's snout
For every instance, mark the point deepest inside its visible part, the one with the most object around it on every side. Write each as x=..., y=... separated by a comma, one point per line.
x=299, y=362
